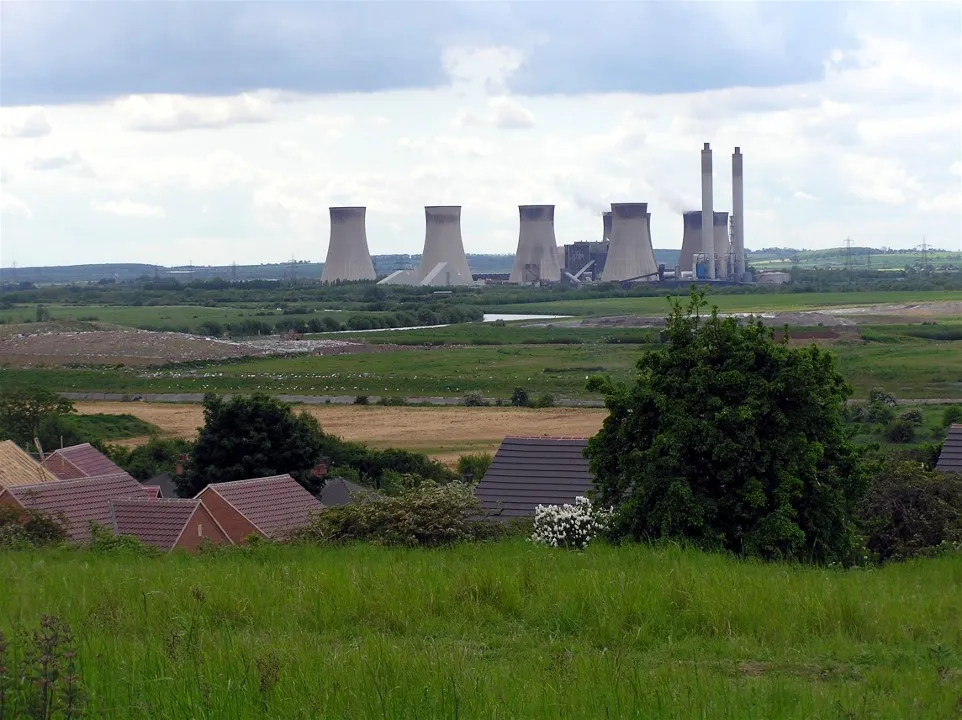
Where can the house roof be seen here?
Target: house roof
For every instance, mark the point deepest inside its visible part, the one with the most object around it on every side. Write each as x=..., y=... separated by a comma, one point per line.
x=159, y=523
x=950, y=459
x=79, y=461
x=165, y=481
x=18, y=468
x=531, y=471
x=274, y=505
x=338, y=491
x=78, y=502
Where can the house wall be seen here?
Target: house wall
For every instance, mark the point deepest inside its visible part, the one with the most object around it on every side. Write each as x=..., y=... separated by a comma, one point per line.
x=7, y=499
x=200, y=528
x=236, y=525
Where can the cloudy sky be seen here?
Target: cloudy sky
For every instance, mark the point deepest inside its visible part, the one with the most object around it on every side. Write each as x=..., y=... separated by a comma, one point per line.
x=176, y=132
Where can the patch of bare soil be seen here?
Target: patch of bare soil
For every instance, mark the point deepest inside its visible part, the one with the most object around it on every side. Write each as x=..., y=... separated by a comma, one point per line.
x=443, y=433
x=28, y=345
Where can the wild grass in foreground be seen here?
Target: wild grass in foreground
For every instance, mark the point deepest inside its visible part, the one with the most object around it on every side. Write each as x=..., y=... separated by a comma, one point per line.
x=502, y=630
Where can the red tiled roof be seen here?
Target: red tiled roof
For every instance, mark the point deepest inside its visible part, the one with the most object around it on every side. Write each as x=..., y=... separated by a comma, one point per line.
x=152, y=491
x=79, y=502
x=275, y=505
x=79, y=461
x=159, y=523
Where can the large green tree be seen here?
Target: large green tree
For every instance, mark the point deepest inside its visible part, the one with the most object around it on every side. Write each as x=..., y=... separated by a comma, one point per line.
x=23, y=413
x=252, y=436
x=731, y=439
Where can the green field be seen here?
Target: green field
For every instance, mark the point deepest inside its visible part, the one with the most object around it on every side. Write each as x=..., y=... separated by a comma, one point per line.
x=910, y=367
x=503, y=630
x=768, y=302
x=860, y=259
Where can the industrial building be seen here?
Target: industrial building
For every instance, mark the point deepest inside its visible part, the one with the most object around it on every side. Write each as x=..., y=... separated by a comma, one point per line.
x=536, y=259
x=348, y=257
x=630, y=255
x=443, y=261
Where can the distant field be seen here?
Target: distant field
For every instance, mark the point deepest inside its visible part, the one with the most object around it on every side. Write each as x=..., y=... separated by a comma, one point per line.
x=908, y=366
x=500, y=630
x=861, y=259
x=728, y=303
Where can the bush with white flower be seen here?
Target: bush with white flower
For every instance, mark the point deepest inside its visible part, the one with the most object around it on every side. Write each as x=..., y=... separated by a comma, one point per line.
x=569, y=526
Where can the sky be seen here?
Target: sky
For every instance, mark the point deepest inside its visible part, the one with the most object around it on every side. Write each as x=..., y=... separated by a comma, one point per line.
x=215, y=132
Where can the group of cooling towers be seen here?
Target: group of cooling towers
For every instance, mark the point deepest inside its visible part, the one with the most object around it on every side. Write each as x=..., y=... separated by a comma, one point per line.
x=710, y=250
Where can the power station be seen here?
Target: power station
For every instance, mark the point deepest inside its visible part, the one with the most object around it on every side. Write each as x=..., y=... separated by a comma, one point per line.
x=712, y=247
x=348, y=257
x=536, y=259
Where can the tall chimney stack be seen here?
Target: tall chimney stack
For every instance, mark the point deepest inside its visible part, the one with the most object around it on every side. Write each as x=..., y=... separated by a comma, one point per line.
x=738, y=215
x=707, y=231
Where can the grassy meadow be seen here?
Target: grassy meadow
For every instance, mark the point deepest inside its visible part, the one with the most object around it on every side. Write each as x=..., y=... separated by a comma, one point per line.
x=501, y=630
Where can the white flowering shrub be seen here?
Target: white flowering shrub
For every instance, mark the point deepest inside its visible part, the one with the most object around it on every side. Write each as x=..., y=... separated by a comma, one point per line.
x=569, y=526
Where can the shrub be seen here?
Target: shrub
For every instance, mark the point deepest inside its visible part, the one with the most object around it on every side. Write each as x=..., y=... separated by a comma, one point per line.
x=912, y=417
x=474, y=399
x=519, y=398
x=951, y=414
x=878, y=396
x=393, y=401
x=912, y=511
x=362, y=400
x=900, y=431
x=569, y=526
x=545, y=400
x=427, y=515
x=879, y=413
x=21, y=528
x=475, y=465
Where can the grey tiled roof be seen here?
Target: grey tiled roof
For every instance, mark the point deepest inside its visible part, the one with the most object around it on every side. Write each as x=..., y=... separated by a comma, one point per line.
x=531, y=471
x=950, y=460
x=338, y=491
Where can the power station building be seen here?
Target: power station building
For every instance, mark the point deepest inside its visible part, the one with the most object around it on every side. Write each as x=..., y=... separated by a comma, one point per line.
x=630, y=255
x=348, y=257
x=443, y=261
x=536, y=259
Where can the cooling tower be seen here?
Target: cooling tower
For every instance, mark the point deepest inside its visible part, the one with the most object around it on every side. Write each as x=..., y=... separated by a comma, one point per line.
x=606, y=222
x=443, y=246
x=629, y=254
x=537, y=256
x=738, y=215
x=691, y=242
x=347, y=255
x=722, y=245
x=707, y=242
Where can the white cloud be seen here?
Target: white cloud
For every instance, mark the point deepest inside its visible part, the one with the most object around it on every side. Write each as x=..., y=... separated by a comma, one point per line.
x=32, y=123
x=802, y=195
x=169, y=113
x=71, y=160
x=10, y=204
x=128, y=208
x=510, y=114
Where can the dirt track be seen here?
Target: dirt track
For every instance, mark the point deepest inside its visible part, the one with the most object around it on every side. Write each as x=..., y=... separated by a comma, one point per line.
x=444, y=433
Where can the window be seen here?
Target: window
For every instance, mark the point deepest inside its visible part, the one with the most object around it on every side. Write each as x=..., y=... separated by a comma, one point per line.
x=200, y=529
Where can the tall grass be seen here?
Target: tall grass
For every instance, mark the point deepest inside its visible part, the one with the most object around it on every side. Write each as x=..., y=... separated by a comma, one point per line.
x=502, y=630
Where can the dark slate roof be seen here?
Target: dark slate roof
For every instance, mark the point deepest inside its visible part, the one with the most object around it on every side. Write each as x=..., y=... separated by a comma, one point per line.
x=950, y=459
x=338, y=491
x=531, y=471
x=158, y=523
x=79, y=502
x=274, y=505
x=79, y=461
x=165, y=481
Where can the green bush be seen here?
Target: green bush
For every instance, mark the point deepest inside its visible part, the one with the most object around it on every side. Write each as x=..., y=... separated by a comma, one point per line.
x=476, y=465
x=519, y=398
x=545, y=400
x=21, y=528
x=912, y=417
x=362, y=400
x=912, y=511
x=952, y=414
x=426, y=515
x=900, y=431
x=474, y=399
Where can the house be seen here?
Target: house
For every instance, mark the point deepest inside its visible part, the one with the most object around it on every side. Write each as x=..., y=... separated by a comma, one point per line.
x=18, y=468
x=271, y=507
x=338, y=491
x=167, y=488
x=531, y=471
x=950, y=459
x=79, y=461
x=166, y=523
x=77, y=503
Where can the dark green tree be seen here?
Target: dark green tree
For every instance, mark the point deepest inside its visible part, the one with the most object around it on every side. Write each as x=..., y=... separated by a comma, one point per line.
x=731, y=439
x=23, y=412
x=249, y=437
